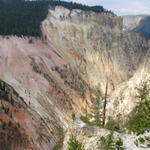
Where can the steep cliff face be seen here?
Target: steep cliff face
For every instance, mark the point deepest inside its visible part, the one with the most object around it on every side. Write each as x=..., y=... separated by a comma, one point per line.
x=95, y=45
x=51, y=91
x=54, y=76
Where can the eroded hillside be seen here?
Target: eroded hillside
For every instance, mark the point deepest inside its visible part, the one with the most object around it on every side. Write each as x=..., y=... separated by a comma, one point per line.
x=53, y=77
x=95, y=45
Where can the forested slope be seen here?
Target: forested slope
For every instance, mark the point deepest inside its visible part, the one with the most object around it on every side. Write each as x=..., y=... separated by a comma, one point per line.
x=24, y=17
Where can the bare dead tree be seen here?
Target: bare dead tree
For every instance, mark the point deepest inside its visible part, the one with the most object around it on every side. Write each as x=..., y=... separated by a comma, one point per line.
x=105, y=104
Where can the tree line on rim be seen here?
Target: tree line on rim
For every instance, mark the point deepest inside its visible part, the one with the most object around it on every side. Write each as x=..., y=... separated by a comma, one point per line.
x=19, y=17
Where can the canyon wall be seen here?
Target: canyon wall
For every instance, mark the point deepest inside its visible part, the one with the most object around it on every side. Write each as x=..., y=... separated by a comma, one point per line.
x=97, y=47
x=95, y=44
x=53, y=77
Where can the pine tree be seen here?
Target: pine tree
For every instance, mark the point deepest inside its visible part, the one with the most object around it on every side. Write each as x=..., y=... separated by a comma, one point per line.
x=139, y=121
x=74, y=144
x=97, y=107
x=143, y=91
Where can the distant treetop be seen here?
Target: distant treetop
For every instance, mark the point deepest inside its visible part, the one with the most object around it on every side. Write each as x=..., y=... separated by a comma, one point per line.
x=24, y=17
x=74, y=5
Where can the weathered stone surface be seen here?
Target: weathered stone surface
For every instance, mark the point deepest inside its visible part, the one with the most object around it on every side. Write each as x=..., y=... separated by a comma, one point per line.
x=98, y=48
x=96, y=45
x=54, y=76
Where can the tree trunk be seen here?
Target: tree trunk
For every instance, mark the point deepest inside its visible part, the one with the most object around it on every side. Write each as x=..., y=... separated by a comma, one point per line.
x=105, y=104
